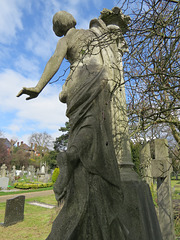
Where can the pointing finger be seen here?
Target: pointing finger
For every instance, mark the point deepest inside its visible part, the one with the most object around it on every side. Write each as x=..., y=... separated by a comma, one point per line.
x=20, y=93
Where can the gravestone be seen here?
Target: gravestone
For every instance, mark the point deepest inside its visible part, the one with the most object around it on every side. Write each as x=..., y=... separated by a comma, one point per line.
x=161, y=169
x=14, y=211
x=43, y=169
x=42, y=172
x=4, y=182
x=146, y=166
x=3, y=170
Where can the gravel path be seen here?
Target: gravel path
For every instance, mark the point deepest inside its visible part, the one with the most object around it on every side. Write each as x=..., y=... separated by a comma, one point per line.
x=27, y=195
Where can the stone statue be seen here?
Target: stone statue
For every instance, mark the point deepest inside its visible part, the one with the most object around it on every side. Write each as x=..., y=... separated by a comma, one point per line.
x=89, y=179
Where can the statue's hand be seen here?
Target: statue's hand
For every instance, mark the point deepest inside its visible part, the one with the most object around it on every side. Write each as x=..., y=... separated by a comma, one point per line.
x=32, y=92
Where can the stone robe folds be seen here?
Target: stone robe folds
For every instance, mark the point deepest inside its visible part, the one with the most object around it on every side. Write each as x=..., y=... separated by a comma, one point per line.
x=94, y=202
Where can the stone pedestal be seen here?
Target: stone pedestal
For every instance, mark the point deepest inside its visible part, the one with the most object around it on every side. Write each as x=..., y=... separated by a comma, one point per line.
x=140, y=216
x=139, y=211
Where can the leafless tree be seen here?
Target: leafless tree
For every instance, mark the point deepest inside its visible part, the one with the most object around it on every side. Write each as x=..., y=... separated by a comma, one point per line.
x=152, y=67
x=41, y=141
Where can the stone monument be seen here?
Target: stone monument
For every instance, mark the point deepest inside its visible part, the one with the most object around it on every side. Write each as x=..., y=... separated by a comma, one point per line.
x=97, y=205
x=4, y=181
x=160, y=167
x=3, y=170
x=14, y=211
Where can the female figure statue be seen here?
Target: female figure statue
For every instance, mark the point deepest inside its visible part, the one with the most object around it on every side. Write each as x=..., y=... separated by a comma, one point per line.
x=89, y=177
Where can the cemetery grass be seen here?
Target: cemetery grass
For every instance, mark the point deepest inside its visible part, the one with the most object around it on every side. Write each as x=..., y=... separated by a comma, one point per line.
x=37, y=221
x=175, y=184
x=25, y=191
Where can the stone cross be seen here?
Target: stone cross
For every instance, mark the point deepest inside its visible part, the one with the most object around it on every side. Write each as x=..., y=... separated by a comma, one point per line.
x=161, y=169
x=3, y=170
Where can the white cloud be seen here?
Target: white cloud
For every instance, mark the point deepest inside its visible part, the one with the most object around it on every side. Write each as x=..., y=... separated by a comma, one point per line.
x=44, y=113
x=11, y=19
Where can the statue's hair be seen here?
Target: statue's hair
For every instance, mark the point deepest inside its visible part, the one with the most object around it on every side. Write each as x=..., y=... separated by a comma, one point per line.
x=65, y=20
x=115, y=16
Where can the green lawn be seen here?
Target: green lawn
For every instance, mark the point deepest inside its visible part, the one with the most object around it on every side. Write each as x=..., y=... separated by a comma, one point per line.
x=25, y=191
x=37, y=221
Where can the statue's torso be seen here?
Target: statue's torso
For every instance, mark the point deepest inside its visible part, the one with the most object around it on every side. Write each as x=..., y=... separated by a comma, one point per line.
x=85, y=58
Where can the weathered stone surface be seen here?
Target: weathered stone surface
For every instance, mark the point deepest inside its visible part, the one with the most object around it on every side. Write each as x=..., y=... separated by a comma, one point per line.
x=146, y=160
x=140, y=217
x=94, y=205
x=4, y=181
x=161, y=169
x=164, y=195
x=3, y=170
x=14, y=211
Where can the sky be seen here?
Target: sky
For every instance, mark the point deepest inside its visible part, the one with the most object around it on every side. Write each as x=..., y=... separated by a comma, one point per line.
x=27, y=41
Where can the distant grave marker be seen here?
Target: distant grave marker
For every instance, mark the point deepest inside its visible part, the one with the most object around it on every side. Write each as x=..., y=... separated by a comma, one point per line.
x=14, y=211
x=4, y=181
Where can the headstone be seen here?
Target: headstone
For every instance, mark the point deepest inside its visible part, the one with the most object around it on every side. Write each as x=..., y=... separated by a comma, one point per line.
x=4, y=181
x=14, y=211
x=3, y=170
x=43, y=169
x=145, y=157
x=161, y=169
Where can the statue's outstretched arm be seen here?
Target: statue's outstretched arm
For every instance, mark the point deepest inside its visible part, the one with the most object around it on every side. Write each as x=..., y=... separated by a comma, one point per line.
x=51, y=68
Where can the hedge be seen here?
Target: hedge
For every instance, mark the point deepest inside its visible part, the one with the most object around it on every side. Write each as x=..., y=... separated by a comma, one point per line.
x=31, y=185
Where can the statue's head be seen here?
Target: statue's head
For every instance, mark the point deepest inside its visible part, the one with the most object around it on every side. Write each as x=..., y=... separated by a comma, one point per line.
x=62, y=22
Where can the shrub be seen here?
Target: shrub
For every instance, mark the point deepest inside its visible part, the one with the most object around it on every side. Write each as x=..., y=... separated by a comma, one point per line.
x=32, y=185
x=55, y=175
